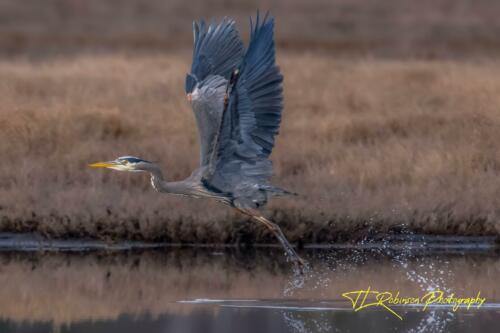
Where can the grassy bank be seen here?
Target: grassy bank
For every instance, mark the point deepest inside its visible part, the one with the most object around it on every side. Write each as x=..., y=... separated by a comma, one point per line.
x=370, y=145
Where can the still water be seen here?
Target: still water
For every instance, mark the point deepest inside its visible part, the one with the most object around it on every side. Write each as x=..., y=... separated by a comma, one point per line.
x=221, y=290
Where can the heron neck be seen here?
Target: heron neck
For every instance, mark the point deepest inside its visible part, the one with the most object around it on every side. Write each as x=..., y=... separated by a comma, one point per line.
x=161, y=185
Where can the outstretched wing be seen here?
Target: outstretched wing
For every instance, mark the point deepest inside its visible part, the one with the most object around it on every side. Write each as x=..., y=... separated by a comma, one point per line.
x=251, y=122
x=217, y=51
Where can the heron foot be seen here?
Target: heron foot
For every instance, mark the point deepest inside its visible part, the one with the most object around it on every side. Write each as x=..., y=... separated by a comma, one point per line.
x=300, y=263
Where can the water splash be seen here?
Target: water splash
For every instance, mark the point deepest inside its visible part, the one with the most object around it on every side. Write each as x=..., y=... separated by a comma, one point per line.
x=428, y=275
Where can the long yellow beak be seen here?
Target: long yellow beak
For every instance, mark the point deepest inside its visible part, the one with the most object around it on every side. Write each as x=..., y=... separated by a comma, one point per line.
x=101, y=165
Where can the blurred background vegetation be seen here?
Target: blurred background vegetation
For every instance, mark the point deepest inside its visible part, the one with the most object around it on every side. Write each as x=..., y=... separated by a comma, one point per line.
x=367, y=28
x=391, y=118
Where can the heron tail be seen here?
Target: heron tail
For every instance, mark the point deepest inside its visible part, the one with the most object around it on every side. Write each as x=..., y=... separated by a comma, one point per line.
x=278, y=191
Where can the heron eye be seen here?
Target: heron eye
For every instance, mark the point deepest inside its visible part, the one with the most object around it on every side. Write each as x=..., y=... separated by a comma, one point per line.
x=124, y=162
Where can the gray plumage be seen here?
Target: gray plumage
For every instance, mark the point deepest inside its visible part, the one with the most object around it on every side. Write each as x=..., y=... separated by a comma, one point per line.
x=236, y=141
x=237, y=99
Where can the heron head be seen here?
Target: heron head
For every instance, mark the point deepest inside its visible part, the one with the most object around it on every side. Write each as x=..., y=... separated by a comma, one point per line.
x=125, y=163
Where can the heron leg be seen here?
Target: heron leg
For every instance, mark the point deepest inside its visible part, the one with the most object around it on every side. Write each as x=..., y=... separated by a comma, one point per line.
x=276, y=230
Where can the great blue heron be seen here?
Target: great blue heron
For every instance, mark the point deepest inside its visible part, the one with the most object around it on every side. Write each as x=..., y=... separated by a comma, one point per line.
x=237, y=99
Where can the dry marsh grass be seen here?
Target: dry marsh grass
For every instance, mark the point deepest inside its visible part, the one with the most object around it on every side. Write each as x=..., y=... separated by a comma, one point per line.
x=371, y=146
x=391, y=28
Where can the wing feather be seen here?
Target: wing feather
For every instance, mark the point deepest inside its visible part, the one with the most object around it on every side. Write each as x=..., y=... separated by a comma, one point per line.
x=217, y=51
x=252, y=120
